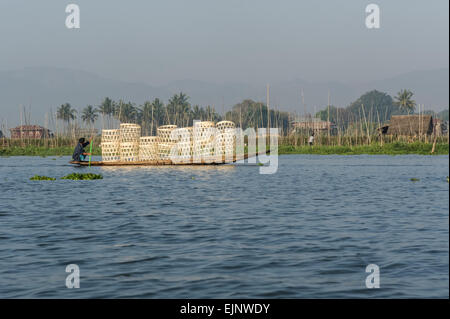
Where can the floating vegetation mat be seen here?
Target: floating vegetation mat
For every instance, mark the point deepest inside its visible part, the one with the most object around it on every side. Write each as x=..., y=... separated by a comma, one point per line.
x=73, y=176
x=42, y=178
x=79, y=177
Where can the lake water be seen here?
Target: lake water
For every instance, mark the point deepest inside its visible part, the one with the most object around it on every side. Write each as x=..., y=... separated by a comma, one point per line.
x=308, y=231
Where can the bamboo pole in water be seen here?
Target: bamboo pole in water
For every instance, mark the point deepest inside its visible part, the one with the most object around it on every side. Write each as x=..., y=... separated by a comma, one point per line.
x=367, y=125
x=328, y=124
x=268, y=112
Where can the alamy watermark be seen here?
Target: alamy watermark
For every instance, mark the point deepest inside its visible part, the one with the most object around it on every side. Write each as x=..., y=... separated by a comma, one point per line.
x=73, y=279
x=372, y=20
x=373, y=279
x=210, y=145
x=73, y=19
x=373, y=17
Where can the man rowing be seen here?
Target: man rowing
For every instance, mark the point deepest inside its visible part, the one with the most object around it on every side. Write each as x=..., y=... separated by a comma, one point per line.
x=79, y=154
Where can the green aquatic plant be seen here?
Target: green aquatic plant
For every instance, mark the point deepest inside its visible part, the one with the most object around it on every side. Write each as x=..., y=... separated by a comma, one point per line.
x=415, y=179
x=42, y=178
x=79, y=177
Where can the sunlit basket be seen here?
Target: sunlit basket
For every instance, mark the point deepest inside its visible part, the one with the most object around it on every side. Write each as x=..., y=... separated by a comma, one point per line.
x=203, y=139
x=129, y=142
x=109, y=136
x=129, y=133
x=165, y=142
x=225, y=138
x=148, y=148
x=129, y=152
x=182, y=152
x=110, y=145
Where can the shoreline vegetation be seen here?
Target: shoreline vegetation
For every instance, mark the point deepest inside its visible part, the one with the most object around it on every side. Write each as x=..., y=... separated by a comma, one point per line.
x=360, y=128
x=395, y=148
x=375, y=148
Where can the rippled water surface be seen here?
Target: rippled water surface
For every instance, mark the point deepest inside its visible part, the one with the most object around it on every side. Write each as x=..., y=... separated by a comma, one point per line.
x=307, y=231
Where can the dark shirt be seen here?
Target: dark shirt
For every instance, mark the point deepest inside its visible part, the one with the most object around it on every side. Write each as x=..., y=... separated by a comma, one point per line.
x=79, y=150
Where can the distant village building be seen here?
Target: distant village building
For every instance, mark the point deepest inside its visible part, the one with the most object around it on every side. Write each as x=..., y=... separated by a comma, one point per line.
x=312, y=124
x=30, y=131
x=409, y=125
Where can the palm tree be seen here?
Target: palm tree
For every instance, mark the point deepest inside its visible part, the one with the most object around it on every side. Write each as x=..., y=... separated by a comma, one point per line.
x=145, y=114
x=184, y=109
x=66, y=113
x=197, y=113
x=404, y=102
x=126, y=112
x=89, y=115
x=178, y=108
x=106, y=108
x=159, y=113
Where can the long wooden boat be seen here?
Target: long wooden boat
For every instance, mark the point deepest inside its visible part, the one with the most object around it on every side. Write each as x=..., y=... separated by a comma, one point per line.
x=207, y=161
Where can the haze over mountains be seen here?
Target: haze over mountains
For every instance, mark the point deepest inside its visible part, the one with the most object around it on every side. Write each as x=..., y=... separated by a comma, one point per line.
x=40, y=89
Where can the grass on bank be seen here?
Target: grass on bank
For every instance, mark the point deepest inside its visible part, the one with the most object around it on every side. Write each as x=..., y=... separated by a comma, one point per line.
x=395, y=148
x=41, y=151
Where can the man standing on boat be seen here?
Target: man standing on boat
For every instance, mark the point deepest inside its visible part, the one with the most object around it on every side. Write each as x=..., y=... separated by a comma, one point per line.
x=79, y=154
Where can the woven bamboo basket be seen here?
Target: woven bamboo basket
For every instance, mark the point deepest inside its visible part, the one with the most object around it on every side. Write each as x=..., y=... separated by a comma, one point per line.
x=129, y=152
x=182, y=153
x=148, y=148
x=225, y=138
x=203, y=139
x=165, y=142
x=129, y=142
x=110, y=145
x=129, y=133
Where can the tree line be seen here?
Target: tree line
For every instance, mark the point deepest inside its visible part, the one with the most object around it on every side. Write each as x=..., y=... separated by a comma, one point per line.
x=177, y=111
x=371, y=107
x=149, y=115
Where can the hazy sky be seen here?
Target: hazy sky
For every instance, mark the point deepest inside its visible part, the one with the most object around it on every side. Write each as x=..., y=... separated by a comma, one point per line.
x=255, y=41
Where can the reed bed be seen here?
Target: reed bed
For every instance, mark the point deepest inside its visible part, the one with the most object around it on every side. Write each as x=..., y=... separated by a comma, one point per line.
x=288, y=144
x=394, y=148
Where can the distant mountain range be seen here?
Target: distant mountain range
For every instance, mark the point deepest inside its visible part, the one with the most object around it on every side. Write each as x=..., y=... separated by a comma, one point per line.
x=42, y=88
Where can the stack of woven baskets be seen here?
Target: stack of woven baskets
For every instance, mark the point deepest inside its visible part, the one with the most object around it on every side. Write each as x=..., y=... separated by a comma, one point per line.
x=165, y=140
x=110, y=145
x=129, y=142
x=225, y=139
x=205, y=140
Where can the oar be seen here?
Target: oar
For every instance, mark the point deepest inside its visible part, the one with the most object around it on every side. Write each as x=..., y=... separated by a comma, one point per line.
x=90, y=152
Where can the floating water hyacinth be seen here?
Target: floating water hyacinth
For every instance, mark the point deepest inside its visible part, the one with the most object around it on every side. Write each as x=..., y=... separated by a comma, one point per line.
x=79, y=177
x=42, y=178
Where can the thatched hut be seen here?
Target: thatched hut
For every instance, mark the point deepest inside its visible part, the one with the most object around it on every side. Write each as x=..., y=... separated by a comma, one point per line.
x=410, y=125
